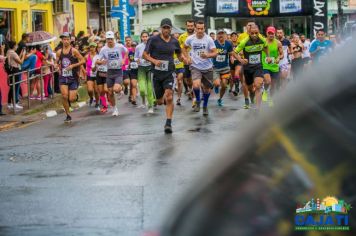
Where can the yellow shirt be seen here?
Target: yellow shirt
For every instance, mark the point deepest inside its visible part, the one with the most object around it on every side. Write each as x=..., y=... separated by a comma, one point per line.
x=177, y=62
x=182, y=38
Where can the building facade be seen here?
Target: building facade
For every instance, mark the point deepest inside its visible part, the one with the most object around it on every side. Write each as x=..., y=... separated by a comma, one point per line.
x=54, y=16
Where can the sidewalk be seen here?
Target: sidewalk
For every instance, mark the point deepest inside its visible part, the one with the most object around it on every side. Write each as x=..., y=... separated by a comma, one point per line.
x=37, y=112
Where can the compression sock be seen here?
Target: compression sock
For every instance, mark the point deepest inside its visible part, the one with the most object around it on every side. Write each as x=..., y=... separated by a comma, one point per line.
x=206, y=99
x=197, y=94
x=103, y=101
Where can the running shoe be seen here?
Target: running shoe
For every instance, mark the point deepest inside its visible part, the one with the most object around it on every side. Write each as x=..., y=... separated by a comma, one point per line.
x=247, y=103
x=178, y=102
x=205, y=111
x=130, y=100
x=97, y=107
x=220, y=102
x=168, y=129
x=17, y=106
x=142, y=106
x=264, y=96
x=150, y=110
x=197, y=107
x=216, y=89
x=116, y=112
x=91, y=101
x=68, y=119
x=134, y=103
x=104, y=110
x=10, y=106
x=194, y=103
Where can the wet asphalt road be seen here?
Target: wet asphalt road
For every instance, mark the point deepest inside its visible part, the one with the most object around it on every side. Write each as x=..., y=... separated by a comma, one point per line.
x=104, y=175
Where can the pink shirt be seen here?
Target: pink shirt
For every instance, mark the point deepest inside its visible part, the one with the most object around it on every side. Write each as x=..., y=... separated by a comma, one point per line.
x=39, y=59
x=126, y=64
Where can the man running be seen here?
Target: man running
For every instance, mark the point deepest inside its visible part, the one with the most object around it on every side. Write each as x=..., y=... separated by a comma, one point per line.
x=284, y=63
x=202, y=50
x=111, y=54
x=235, y=66
x=133, y=71
x=271, y=70
x=179, y=73
x=68, y=72
x=306, y=53
x=159, y=51
x=188, y=83
x=320, y=47
x=221, y=63
x=252, y=48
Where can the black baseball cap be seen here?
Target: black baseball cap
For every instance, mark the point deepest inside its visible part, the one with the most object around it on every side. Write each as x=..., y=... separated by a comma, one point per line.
x=166, y=22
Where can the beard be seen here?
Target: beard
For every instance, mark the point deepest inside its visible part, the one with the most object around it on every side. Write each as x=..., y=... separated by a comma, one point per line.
x=190, y=31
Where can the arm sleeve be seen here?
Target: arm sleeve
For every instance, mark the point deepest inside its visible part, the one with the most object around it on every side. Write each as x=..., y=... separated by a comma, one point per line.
x=241, y=46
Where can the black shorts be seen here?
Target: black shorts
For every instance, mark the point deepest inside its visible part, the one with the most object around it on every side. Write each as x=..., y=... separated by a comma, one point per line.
x=251, y=74
x=161, y=84
x=100, y=80
x=133, y=74
x=233, y=65
x=90, y=78
x=187, y=73
x=125, y=74
x=274, y=75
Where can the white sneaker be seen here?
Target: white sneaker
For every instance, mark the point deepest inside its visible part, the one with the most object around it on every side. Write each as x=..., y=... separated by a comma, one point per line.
x=142, y=106
x=116, y=112
x=150, y=110
x=10, y=106
x=17, y=106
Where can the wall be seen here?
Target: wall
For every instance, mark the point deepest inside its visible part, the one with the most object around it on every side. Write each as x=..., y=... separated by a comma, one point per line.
x=80, y=16
x=152, y=18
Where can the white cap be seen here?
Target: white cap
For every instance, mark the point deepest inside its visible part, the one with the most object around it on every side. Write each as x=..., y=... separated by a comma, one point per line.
x=110, y=35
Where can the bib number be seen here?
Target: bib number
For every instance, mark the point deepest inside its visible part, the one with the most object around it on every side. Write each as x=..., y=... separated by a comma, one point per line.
x=67, y=73
x=163, y=67
x=102, y=69
x=114, y=65
x=145, y=63
x=176, y=62
x=200, y=52
x=220, y=58
x=255, y=59
x=273, y=60
x=133, y=65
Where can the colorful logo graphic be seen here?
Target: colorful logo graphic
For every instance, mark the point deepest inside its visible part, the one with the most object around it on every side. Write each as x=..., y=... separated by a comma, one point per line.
x=259, y=7
x=327, y=214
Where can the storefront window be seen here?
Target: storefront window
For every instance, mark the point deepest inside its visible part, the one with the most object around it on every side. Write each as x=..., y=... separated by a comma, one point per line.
x=5, y=25
x=38, y=23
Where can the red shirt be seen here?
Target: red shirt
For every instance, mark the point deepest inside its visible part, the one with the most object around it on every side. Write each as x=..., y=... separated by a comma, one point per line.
x=39, y=59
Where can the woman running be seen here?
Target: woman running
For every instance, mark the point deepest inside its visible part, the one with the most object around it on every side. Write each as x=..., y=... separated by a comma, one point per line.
x=91, y=76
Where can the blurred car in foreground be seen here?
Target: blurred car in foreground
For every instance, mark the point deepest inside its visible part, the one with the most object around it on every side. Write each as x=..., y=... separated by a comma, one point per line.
x=304, y=149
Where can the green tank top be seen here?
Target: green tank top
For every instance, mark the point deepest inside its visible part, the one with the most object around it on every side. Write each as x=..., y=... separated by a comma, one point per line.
x=273, y=52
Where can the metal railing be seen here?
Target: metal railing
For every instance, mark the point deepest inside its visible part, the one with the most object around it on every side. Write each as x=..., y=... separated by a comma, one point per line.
x=31, y=76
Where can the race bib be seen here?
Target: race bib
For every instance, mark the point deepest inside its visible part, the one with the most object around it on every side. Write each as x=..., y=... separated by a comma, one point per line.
x=220, y=58
x=176, y=61
x=200, y=52
x=67, y=73
x=92, y=73
x=133, y=65
x=254, y=59
x=272, y=62
x=115, y=64
x=102, y=69
x=163, y=67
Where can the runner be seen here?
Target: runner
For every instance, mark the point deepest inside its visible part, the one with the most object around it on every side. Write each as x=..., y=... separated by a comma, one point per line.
x=188, y=83
x=159, y=51
x=68, y=72
x=284, y=63
x=239, y=69
x=297, y=63
x=235, y=67
x=252, y=48
x=271, y=70
x=125, y=67
x=306, y=53
x=320, y=47
x=203, y=49
x=101, y=79
x=91, y=75
x=144, y=76
x=221, y=63
x=112, y=55
x=132, y=71
x=179, y=73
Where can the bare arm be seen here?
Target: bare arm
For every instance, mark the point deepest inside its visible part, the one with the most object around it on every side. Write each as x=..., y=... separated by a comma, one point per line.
x=80, y=58
x=148, y=57
x=280, y=51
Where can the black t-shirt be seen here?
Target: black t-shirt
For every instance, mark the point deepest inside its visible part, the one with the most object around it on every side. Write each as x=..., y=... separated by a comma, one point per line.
x=163, y=51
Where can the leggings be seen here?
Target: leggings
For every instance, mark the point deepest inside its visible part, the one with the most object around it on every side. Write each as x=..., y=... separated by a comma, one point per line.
x=10, y=96
x=145, y=84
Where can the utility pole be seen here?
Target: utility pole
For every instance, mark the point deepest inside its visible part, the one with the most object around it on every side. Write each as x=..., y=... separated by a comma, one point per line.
x=340, y=15
x=105, y=17
x=140, y=26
